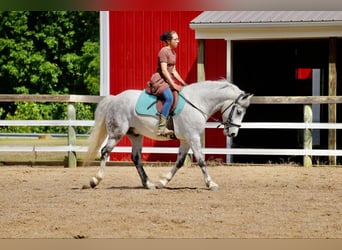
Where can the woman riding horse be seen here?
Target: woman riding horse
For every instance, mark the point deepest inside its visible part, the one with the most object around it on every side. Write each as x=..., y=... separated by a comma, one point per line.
x=163, y=80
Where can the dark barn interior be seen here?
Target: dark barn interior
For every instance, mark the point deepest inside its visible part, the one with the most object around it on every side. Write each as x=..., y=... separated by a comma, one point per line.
x=271, y=68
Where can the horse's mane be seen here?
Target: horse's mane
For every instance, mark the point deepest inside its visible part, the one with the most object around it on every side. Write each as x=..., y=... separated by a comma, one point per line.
x=221, y=84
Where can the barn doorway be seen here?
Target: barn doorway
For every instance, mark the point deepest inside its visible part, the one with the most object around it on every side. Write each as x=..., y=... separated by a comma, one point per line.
x=270, y=68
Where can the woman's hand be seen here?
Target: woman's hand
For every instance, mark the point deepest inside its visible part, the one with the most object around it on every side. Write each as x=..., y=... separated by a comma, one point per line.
x=176, y=87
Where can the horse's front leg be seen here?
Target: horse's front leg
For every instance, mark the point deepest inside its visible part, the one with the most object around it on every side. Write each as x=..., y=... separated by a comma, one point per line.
x=208, y=181
x=182, y=153
x=196, y=148
x=136, y=141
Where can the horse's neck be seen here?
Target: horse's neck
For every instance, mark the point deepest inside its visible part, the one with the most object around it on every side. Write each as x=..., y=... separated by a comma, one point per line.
x=209, y=96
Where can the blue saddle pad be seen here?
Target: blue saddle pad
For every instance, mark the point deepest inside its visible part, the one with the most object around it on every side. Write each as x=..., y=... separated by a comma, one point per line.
x=147, y=104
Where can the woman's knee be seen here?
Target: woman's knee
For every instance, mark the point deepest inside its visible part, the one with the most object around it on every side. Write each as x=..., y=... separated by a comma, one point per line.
x=168, y=96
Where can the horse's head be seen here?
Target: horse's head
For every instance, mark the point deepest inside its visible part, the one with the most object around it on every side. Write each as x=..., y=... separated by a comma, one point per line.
x=233, y=113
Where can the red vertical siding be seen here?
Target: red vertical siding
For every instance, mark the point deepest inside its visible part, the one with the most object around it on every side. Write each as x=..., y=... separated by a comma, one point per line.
x=215, y=59
x=215, y=68
x=134, y=45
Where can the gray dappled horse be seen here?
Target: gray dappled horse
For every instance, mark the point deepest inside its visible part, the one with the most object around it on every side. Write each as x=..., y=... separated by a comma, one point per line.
x=116, y=116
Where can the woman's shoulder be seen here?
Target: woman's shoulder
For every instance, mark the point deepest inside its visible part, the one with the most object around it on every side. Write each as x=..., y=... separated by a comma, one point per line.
x=166, y=50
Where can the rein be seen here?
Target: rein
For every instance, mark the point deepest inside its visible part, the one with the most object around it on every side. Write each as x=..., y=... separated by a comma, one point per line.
x=192, y=105
x=227, y=123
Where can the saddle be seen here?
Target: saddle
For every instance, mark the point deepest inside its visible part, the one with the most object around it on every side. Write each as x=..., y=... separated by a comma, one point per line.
x=151, y=105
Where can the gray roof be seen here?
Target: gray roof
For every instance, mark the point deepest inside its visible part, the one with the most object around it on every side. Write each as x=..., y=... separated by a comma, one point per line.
x=234, y=17
x=243, y=25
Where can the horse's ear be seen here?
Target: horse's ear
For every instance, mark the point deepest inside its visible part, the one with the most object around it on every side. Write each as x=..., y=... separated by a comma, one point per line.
x=245, y=101
x=247, y=95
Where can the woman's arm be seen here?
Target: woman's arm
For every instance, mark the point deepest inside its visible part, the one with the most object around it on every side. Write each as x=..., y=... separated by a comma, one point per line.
x=168, y=77
x=177, y=76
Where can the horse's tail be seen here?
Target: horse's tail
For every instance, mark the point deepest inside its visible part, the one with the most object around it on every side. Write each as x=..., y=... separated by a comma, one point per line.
x=98, y=132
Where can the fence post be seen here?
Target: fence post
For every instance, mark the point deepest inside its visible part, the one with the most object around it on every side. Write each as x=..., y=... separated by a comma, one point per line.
x=332, y=113
x=72, y=160
x=200, y=77
x=307, y=160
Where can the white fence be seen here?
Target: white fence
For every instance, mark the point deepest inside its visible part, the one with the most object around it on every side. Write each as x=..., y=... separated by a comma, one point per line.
x=306, y=126
x=174, y=150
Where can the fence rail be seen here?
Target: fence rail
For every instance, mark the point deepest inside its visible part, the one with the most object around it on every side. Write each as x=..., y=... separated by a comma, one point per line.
x=244, y=125
x=72, y=123
x=173, y=150
x=96, y=99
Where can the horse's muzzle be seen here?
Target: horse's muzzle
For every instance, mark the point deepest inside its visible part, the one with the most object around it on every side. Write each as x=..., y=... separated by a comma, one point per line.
x=232, y=135
x=230, y=132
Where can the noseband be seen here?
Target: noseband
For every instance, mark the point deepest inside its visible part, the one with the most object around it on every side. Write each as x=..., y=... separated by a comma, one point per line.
x=229, y=123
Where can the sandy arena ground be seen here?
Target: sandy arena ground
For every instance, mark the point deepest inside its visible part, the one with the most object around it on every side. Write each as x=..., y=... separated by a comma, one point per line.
x=253, y=202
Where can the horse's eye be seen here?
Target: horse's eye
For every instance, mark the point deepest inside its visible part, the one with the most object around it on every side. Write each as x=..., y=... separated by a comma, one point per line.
x=238, y=112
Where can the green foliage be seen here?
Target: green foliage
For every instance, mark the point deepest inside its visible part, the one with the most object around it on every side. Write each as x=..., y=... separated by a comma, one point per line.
x=35, y=111
x=49, y=52
x=84, y=112
x=90, y=64
x=50, y=111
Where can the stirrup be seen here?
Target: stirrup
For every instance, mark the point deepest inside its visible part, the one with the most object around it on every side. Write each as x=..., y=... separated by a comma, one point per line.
x=165, y=133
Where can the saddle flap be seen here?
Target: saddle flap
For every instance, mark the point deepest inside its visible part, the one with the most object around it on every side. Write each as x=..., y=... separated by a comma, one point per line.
x=151, y=105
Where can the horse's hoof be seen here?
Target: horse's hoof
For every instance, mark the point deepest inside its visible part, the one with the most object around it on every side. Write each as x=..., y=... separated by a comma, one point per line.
x=214, y=188
x=149, y=185
x=162, y=183
x=94, y=182
x=85, y=187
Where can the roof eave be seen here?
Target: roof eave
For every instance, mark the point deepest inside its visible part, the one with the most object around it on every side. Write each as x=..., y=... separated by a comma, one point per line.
x=259, y=31
x=249, y=25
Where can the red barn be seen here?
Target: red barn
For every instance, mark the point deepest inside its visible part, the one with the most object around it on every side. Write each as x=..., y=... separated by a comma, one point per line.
x=134, y=44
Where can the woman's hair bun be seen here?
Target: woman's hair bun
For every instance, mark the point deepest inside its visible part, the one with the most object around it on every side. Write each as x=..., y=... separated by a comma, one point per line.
x=167, y=35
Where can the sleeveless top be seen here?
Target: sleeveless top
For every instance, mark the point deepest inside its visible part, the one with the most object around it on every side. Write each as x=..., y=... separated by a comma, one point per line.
x=158, y=83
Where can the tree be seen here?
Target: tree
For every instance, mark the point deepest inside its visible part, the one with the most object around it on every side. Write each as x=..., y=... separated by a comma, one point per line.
x=51, y=52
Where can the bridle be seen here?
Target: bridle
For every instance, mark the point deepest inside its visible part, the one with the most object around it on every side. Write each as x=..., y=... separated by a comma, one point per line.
x=228, y=123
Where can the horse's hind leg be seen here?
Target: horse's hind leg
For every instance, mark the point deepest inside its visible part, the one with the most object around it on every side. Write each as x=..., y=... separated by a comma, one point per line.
x=136, y=141
x=105, y=151
x=182, y=152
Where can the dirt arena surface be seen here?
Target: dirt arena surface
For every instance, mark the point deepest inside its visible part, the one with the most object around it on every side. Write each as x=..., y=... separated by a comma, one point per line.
x=253, y=202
